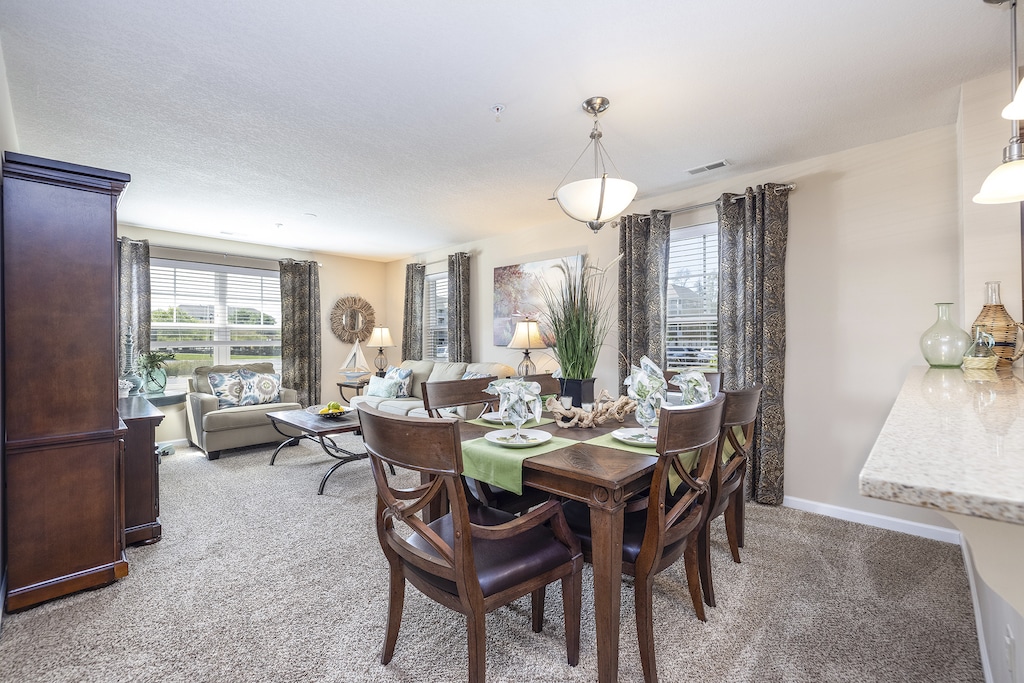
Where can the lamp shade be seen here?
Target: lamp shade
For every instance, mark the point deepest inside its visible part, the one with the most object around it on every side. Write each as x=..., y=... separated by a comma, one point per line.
x=596, y=200
x=1004, y=185
x=380, y=337
x=527, y=336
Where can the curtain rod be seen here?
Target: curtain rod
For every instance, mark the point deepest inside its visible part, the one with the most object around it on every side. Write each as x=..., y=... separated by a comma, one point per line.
x=222, y=254
x=789, y=186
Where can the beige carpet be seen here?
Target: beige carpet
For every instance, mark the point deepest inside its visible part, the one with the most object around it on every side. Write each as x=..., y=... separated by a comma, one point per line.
x=259, y=579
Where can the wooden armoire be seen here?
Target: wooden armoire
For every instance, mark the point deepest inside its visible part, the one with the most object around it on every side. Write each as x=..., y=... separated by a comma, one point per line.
x=64, y=442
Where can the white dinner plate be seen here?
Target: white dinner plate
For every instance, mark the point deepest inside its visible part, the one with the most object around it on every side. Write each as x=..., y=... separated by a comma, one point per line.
x=635, y=436
x=503, y=437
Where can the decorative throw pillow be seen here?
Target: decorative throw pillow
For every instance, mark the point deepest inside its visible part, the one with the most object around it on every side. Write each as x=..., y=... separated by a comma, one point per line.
x=473, y=375
x=404, y=376
x=383, y=387
x=259, y=387
x=228, y=388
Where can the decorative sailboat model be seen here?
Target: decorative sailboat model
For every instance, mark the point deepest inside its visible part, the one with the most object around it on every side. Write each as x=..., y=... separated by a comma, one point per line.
x=355, y=366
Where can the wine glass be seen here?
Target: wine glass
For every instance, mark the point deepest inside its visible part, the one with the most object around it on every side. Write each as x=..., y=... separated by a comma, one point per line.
x=646, y=415
x=517, y=416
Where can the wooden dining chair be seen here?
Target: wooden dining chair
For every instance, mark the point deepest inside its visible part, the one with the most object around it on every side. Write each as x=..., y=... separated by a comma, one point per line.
x=664, y=525
x=474, y=559
x=441, y=396
x=548, y=384
x=727, y=496
x=438, y=397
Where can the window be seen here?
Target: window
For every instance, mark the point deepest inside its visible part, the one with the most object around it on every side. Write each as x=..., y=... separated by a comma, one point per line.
x=436, y=318
x=213, y=314
x=691, y=314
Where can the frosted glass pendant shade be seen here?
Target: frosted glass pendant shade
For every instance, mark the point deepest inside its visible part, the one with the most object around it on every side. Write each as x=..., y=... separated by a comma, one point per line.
x=1004, y=185
x=583, y=200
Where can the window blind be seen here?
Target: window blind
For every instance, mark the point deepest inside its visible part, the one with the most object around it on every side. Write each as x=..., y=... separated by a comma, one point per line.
x=435, y=336
x=692, y=297
x=215, y=313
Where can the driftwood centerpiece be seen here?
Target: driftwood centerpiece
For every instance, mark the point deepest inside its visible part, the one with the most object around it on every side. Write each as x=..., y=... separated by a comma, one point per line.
x=605, y=408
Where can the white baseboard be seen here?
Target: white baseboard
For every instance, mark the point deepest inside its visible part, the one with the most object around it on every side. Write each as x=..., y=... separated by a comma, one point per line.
x=936, y=533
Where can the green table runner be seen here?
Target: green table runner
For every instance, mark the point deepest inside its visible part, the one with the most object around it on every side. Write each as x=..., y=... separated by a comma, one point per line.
x=500, y=465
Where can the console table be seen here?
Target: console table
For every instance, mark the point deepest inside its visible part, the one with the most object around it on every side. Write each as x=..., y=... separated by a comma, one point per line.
x=141, y=475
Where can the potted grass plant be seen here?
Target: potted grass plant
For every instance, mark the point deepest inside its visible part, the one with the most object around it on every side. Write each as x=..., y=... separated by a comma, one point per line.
x=577, y=319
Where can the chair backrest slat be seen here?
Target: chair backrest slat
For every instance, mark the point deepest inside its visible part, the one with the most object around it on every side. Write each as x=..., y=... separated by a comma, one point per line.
x=455, y=393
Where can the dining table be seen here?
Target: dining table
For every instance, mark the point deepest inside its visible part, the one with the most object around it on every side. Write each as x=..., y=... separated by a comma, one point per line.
x=604, y=476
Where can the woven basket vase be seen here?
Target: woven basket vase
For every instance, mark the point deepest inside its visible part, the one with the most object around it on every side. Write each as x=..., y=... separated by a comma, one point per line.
x=1002, y=328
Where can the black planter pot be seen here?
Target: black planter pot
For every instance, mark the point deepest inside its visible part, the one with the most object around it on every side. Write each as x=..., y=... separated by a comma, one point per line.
x=581, y=390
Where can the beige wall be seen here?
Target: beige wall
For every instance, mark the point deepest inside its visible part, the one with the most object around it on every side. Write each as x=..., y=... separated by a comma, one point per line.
x=8, y=133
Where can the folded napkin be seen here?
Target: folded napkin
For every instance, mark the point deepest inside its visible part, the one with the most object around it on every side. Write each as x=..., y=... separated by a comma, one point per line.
x=693, y=386
x=646, y=385
x=500, y=465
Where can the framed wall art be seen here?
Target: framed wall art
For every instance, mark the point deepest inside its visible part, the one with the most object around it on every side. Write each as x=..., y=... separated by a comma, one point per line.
x=518, y=294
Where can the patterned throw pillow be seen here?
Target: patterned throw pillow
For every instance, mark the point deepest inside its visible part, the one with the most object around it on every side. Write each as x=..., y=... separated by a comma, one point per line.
x=474, y=375
x=259, y=387
x=383, y=387
x=228, y=388
x=404, y=376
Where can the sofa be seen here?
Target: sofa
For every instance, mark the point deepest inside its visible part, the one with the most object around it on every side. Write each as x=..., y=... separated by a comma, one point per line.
x=429, y=371
x=214, y=428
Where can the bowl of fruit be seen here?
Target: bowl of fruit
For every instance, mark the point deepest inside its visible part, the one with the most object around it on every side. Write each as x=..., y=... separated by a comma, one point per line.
x=330, y=410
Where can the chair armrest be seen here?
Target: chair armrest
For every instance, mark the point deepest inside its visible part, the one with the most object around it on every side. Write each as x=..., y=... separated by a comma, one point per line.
x=549, y=511
x=288, y=396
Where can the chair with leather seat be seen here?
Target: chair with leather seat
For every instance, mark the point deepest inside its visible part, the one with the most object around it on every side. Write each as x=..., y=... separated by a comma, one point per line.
x=474, y=559
x=664, y=525
x=727, y=481
x=441, y=397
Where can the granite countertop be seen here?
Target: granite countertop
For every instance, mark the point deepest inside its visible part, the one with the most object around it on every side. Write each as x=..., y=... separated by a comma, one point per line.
x=953, y=441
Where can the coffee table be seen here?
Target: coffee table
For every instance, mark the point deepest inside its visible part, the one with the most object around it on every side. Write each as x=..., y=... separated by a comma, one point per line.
x=319, y=429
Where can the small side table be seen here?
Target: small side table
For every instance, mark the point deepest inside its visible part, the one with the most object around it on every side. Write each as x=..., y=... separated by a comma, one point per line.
x=357, y=385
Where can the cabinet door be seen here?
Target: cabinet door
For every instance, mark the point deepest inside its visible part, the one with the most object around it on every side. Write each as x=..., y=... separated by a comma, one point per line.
x=65, y=528
x=60, y=311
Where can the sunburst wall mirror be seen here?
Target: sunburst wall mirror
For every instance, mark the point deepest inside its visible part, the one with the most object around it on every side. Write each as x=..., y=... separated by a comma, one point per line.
x=352, y=319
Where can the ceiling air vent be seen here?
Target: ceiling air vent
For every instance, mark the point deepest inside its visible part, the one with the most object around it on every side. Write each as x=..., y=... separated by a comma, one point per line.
x=708, y=167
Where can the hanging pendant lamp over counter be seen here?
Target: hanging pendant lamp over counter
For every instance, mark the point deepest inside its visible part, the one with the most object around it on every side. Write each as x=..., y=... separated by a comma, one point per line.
x=598, y=200
x=1005, y=184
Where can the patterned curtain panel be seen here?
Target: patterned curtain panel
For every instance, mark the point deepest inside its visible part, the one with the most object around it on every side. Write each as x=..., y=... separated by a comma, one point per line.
x=300, y=329
x=412, y=325
x=134, y=295
x=460, y=350
x=643, y=276
x=753, y=230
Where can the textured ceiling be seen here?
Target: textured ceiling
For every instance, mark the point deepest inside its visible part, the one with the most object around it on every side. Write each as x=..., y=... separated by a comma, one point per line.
x=238, y=120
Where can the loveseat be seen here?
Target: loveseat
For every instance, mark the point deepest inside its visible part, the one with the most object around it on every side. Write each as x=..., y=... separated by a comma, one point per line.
x=428, y=371
x=214, y=424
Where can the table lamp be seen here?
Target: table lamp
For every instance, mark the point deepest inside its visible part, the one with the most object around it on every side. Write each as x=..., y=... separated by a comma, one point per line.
x=527, y=336
x=380, y=337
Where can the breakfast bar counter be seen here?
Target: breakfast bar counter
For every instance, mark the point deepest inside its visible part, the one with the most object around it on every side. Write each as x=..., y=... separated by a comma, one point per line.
x=954, y=442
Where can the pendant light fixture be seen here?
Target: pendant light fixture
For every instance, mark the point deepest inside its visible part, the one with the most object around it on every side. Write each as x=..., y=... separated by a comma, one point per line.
x=1005, y=184
x=597, y=200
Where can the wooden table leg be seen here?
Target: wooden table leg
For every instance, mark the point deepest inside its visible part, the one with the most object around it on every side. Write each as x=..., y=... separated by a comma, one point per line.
x=606, y=535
